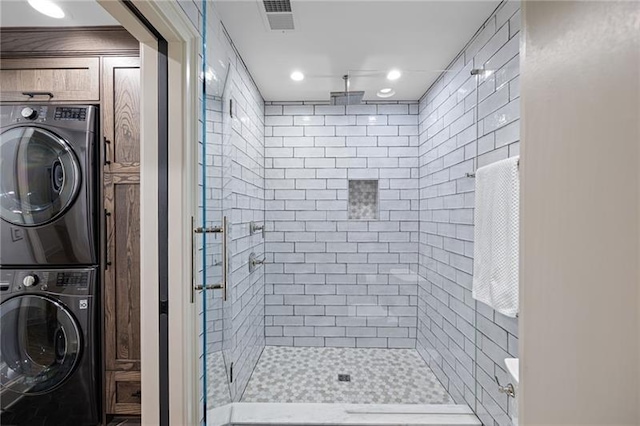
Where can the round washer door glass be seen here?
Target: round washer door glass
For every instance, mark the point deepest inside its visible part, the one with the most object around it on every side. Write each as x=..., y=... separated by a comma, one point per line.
x=39, y=344
x=39, y=176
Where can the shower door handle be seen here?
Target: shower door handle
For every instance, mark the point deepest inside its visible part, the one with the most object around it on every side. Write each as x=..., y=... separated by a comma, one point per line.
x=222, y=285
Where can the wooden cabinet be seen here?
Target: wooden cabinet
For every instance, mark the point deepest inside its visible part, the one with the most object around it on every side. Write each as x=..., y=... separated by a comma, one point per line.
x=121, y=129
x=66, y=79
x=121, y=114
x=123, y=392
x=101, y=67
x=122, y=272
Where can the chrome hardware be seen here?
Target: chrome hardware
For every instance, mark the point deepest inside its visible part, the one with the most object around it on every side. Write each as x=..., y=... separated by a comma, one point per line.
x=254, y=228
x=208, y=230
x=508, y=390
x=208, y=287
x=225, y=256
x=254, y=262
x=472, y=175
x=224, y=230
x=193, y=262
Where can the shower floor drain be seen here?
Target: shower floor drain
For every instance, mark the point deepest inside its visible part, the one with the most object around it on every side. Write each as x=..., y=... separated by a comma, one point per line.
x=344, y=377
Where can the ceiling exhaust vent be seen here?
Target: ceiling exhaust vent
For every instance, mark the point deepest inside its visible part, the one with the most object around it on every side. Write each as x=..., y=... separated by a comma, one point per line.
x=277, y=6
x=279, y=15
x=280, y=21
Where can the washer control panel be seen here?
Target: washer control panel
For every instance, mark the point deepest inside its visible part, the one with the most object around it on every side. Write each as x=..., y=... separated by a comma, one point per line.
x=70, y=113
x=30, y=280
x=75, y=279
x=68, y=281
x=31, y=113
x=68, y=117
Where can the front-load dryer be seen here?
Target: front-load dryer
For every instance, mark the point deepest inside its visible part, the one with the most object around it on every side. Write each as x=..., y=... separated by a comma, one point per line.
x=48, y=347
x=48, y=185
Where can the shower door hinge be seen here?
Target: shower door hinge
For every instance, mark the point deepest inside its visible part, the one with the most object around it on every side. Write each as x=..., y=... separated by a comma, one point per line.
x=231, y=373
x=231, y=107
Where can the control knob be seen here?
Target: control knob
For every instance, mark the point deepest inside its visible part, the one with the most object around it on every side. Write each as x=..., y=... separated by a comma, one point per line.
x=29, y=113
x=30, y=280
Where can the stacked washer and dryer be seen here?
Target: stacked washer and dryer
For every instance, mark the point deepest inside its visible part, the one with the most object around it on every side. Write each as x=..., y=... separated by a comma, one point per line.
x=49, y=265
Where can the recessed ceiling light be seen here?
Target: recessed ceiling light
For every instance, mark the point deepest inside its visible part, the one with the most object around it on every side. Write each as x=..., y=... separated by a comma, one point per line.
x=47, y=7
x=386, y=93
x=394, y=75
x=297, y=76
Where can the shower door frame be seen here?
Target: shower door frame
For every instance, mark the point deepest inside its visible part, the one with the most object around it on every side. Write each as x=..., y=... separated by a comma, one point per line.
x=174, y=181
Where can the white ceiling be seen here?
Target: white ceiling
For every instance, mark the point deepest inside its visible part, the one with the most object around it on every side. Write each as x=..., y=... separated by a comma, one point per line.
x=78, y=13
x=364, y=37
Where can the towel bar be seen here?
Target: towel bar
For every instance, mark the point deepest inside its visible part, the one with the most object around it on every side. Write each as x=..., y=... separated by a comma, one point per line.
x=470, y=175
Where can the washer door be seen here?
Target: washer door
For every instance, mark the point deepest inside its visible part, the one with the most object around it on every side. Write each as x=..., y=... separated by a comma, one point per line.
x=39, y=176
x=40, y=344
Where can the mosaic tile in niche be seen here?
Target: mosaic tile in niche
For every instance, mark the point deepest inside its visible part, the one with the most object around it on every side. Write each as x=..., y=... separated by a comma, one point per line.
x=363, y=199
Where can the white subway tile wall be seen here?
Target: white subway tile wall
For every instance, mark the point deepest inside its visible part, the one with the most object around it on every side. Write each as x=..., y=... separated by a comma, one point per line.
x=243, y=203
x=391, y=282
x=333, y=280
x=457, y=340
x=234, y=168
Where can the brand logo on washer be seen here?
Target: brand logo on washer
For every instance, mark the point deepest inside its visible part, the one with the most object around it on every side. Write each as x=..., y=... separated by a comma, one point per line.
x=84, y=304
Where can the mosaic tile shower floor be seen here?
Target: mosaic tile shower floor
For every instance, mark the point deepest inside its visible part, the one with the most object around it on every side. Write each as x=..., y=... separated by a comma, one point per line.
x=378, y=376
x=217, y=388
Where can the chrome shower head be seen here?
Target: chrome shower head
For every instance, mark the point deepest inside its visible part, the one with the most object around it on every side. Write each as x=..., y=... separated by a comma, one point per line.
x=346, y=97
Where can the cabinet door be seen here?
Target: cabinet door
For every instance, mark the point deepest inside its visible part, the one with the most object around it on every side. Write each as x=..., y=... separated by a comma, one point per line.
x=67, y=79
x=123, y=392
x=121, y=114
x=122, y=272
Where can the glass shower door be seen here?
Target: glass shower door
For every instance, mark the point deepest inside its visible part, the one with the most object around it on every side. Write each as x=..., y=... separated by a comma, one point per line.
x=211, y=232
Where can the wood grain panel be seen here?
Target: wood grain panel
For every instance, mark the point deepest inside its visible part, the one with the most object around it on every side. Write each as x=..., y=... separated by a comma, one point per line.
x=121, y=113
x=122, y=276
x=32, y=42
x=68, y=79
x=128, y=392
x=126, y=105
x=122, y=388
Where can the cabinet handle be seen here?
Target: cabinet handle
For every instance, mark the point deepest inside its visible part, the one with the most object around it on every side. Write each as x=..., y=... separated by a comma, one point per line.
x=32, y=94
x=137, y=394
x=106, y=150
x=107, y=262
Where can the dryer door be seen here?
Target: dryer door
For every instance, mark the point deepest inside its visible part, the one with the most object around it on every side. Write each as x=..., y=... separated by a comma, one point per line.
x=39, y=176
x=40, y=344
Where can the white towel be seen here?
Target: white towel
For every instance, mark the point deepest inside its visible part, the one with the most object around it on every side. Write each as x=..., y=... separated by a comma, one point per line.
x=496, y=236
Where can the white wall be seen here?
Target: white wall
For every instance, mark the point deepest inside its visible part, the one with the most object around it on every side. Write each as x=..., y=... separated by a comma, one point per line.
x=580, y=193
x=332, y=280
x=465, y=342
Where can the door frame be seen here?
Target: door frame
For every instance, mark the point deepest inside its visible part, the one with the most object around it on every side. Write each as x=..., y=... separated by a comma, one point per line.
x=183, y=48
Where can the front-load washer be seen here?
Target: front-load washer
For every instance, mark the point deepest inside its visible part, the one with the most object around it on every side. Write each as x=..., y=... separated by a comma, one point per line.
x=48, y=185
x=48, y=347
